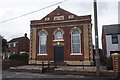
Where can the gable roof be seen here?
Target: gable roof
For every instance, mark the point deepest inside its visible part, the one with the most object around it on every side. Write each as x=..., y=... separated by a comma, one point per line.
x=60, y=12
x=16, y=39
x=19, y=38
x=112, y=29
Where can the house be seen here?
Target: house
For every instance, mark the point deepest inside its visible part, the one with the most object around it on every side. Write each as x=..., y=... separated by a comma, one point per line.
x=18, y=45
x=61, y=37
x=110, y=39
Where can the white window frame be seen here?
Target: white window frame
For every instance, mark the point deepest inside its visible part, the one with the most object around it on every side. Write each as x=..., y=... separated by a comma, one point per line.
x=40, y=44
x=14, y=44
x=72, y=43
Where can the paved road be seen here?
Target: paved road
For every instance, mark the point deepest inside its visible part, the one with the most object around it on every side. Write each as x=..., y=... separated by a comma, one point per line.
x=10, y=75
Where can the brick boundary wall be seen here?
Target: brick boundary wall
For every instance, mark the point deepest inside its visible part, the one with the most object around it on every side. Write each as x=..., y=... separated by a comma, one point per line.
x=11, y=63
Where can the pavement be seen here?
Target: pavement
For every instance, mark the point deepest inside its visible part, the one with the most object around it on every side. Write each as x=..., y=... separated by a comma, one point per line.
x=11, y=75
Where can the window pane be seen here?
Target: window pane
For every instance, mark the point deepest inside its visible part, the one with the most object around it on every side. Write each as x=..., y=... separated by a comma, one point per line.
x=76, y=48
x=75, y=32
x=43, y=40
x=114, y=36
x=43, y=49
x=76, y=39
x=114, y=39
x=43, y=43
x=42, y=34
x=58, y=35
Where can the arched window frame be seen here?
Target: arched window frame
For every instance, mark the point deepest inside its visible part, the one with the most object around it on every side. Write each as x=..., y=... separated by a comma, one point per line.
x=44, y=43
x=56, y=36
x=75, y=53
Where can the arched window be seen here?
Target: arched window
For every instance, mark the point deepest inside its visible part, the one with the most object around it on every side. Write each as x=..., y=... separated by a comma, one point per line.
x=42, y=42
x=58, y=35
x=75, y=42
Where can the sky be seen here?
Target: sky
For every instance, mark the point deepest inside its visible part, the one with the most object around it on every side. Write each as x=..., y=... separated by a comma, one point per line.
x=107, y=14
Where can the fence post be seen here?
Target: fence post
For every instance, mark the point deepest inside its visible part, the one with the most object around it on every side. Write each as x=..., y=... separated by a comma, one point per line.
x=116, y=64
x=42, y=67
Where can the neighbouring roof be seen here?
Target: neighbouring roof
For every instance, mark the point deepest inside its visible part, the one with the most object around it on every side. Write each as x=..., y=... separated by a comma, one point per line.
x=16, y=39
x=112, y=29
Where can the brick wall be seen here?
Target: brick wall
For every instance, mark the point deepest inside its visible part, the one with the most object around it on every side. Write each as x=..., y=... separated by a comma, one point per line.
x=10, y=63
x=24, y=45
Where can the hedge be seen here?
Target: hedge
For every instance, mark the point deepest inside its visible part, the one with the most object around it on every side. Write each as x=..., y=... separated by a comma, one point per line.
x=19, y=56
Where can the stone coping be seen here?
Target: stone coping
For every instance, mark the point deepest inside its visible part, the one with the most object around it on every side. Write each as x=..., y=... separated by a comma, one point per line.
x=76, y=68
x=62, y=68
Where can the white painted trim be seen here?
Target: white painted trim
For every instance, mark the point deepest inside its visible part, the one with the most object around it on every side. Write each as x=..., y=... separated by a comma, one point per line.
x=41, y=54
x=58, y=40
x=76, y=54
x=60, y=22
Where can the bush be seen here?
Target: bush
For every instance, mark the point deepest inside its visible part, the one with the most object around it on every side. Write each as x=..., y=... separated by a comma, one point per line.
x=24, y=56
x=109, y=63
x=14, y=56
x=18, y=56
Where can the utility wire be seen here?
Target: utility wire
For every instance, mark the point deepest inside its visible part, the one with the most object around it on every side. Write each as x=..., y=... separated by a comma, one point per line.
x=32, y=12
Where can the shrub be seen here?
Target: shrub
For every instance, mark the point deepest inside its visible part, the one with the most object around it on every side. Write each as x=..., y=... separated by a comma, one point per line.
x=18, y=56
x=14, y=56
x=24, y=56
x=109, y=63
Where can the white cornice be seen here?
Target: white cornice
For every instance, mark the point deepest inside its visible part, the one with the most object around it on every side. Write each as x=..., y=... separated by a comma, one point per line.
x=60, y=22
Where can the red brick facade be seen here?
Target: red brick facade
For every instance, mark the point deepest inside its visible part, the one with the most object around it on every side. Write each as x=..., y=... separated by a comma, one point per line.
x=66, y=25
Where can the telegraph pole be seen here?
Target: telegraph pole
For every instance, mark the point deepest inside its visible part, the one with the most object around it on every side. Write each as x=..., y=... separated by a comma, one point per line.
x=96, y=40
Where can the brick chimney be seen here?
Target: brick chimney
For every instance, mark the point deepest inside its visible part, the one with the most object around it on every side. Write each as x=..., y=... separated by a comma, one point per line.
x=25, y=34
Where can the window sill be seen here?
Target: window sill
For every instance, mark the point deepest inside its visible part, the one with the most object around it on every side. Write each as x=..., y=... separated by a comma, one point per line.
x=75, y=54
x=41, y=54
x=58, y=40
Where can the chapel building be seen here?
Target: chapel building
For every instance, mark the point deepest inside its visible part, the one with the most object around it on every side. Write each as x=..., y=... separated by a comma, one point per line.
x=61, y=36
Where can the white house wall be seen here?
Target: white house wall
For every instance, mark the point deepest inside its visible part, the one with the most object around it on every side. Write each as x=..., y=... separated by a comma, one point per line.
x=110, y=46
